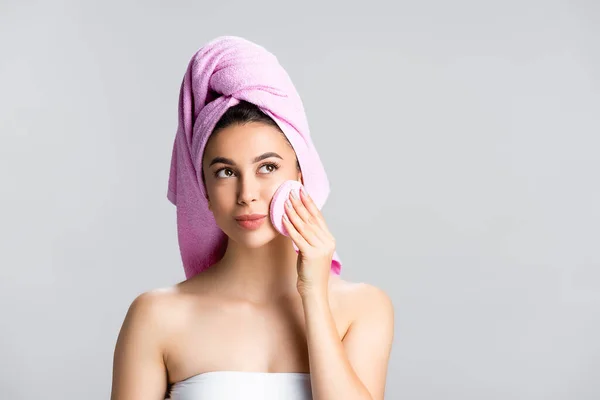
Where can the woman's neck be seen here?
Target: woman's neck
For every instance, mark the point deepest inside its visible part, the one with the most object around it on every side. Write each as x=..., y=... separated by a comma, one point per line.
x=261, y=275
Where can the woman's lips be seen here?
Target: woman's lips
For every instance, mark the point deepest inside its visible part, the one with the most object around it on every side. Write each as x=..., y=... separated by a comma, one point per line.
x=251, y=224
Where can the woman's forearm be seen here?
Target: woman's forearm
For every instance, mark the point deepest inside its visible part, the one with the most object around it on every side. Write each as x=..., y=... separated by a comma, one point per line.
x=332, y=375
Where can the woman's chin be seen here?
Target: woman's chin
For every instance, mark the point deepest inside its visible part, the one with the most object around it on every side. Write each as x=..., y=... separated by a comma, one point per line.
x=255, y=239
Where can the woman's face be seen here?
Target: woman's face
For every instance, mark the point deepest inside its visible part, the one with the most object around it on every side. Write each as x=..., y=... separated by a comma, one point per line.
x=243, y=165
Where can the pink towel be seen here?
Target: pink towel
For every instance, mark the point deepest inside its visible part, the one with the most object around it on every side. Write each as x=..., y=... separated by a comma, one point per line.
x=220, y=74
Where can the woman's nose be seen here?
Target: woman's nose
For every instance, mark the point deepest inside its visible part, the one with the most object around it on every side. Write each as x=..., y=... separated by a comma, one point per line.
x=248, y=191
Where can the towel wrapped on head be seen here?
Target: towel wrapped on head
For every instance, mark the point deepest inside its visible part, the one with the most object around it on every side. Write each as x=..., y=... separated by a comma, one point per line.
x=225, y=71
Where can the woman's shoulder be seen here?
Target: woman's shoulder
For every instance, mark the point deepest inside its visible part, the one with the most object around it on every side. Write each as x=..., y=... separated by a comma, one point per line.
x=159, y=309
x=357, y=290
x=151, y=302
x=360, y=296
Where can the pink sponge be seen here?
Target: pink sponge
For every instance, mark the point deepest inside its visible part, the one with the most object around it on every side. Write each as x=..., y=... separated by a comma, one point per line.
x=277, y=208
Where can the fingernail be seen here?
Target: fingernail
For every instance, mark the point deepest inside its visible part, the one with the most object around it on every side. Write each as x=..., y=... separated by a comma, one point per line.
x=295, y=194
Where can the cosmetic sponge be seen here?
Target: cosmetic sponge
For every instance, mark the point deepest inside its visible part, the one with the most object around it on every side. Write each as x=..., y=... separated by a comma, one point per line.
x=277, y=208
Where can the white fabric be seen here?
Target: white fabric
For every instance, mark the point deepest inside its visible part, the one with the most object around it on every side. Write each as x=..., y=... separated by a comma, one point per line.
x=238, y=385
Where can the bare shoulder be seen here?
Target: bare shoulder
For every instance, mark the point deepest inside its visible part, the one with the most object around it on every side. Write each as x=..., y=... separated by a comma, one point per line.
x=148, y=315
x=159, y=308
x=368, y=341
x=363, y=297
x=139, y=369
x=151, y=305
x=151, y=301
x=153, y=316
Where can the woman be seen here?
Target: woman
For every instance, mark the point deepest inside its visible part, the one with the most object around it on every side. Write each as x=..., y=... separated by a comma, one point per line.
x=261, y=315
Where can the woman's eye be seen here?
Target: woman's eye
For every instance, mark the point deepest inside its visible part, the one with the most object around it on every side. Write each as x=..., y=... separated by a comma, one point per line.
x=222, y=170
x=270, y=167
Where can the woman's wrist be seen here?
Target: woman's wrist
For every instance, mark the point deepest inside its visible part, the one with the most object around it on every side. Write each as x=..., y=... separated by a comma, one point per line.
x=314, y=294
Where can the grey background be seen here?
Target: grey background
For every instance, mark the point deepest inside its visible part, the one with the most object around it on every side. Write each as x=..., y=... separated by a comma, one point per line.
x=461, y=140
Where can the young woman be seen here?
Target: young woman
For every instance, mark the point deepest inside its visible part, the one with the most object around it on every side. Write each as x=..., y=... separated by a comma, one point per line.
x=264, y=321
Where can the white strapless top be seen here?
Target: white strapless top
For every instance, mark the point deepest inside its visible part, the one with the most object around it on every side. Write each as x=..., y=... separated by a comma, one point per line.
x=238, y=385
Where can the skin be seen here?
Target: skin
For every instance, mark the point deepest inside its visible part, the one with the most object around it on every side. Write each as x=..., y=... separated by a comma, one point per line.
x=244, y=313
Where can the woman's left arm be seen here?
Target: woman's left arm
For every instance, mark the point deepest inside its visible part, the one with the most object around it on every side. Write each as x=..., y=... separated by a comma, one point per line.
x=355, y=367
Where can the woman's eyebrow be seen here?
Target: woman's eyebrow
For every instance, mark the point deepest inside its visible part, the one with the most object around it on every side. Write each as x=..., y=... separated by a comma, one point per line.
x=223, y=160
